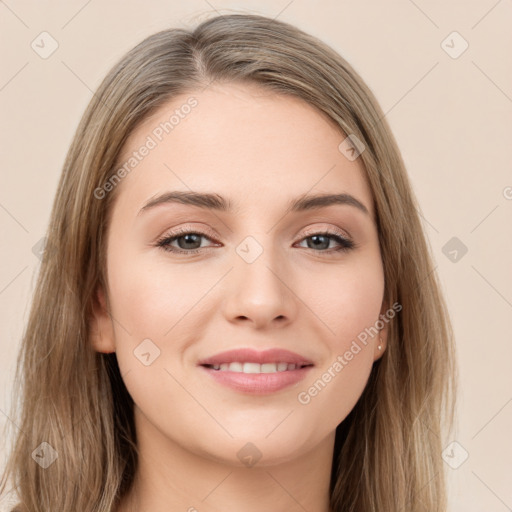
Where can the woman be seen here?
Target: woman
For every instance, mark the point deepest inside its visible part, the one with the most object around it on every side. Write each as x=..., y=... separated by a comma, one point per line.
x=300, y=359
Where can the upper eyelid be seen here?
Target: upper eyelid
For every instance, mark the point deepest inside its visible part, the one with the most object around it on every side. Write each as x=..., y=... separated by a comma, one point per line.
x=330, y=231
x=207, y=234
x=345, y=243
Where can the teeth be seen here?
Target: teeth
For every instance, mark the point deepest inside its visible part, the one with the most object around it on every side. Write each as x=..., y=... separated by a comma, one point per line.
x=252, y=368
x=269, y=368
x=255, y=367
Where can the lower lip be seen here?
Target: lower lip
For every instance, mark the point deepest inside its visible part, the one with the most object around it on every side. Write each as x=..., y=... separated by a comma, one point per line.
x=258, y=383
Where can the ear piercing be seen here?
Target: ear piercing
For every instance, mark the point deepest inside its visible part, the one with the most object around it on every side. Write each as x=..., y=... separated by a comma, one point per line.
x=380, y=344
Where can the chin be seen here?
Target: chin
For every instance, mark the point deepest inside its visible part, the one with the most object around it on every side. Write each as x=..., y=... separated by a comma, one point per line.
x=258, y=448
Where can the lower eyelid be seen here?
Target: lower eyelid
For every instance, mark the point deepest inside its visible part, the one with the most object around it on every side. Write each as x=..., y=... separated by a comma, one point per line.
x=165, y=242
x=344, y=244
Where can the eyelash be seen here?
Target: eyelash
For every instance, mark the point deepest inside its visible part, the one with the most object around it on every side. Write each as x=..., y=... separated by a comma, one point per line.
x=345, y=244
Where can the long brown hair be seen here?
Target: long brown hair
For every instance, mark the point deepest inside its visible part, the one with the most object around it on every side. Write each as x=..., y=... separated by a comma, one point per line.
x=387, y=452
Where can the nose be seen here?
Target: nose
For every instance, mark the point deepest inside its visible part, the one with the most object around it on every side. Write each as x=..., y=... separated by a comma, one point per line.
x=260, y=292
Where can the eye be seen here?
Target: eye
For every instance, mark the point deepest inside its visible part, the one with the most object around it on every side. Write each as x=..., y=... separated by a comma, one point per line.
x=189, y=242
x=322, y=241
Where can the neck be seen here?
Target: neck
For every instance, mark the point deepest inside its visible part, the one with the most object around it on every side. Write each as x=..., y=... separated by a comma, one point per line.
x=169, y=477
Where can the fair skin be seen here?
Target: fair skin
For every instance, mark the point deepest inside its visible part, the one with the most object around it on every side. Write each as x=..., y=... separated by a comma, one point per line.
x=259, y=150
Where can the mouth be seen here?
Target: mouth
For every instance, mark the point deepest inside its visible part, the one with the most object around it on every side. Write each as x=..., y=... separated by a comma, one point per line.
x=256, y=372
x=247, y=367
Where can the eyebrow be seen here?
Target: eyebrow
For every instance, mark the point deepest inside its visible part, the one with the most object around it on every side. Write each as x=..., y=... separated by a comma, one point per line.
x=219, y=203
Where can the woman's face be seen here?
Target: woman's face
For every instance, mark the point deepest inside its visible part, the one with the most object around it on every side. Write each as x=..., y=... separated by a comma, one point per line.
x=257, y=275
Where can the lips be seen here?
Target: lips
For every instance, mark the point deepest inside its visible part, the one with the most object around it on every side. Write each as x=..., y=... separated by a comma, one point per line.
x=245, y=355
x=254, y=372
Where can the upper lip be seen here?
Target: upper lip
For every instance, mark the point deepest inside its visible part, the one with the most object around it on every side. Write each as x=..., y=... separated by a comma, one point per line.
x=247, y=355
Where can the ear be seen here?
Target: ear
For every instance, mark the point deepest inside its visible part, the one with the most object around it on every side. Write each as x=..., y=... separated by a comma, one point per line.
x=382, y=337
x=101, y=328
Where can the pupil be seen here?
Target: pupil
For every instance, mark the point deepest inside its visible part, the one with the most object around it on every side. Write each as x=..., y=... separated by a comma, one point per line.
x=188, y=240
x=317, y=241
x=316, y=238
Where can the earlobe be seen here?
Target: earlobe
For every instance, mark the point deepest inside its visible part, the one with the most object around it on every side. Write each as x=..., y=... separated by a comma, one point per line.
x=380, y=347
x=101, y=329
x=381, y=340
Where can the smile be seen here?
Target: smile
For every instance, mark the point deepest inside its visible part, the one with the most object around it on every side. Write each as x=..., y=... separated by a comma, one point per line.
x=255, y=367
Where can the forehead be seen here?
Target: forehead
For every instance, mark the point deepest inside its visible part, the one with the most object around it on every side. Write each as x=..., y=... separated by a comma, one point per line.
x=244, y=142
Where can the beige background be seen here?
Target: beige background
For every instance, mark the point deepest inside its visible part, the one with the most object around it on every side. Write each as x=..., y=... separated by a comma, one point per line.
x=451, y=117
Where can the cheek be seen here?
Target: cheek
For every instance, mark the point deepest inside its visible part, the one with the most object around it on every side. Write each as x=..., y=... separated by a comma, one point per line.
x=351, y=311
x=350, y=300
x=149, y=297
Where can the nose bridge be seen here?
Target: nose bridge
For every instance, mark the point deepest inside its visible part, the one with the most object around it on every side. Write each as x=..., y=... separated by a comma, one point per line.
x=259, y=292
